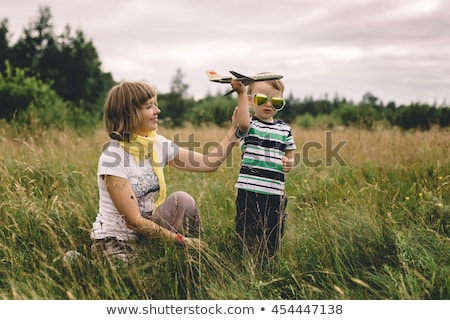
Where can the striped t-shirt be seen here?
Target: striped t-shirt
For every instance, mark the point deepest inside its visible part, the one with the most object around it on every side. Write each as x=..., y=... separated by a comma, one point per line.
x=262, y=148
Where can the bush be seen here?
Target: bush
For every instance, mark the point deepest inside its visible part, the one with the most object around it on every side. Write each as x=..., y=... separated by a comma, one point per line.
x=217, y=110
x=305, y=120
x=30, y=102
x=362, y=116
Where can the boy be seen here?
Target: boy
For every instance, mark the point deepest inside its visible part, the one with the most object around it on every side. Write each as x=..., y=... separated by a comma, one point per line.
x=267, y=147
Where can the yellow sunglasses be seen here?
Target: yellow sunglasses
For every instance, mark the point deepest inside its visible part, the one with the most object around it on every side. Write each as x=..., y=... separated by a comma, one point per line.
x=261, y=99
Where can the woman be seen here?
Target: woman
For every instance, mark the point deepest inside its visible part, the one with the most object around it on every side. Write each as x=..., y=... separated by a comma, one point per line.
x=132, y=189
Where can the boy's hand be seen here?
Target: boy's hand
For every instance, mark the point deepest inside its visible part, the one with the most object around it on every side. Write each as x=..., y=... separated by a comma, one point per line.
x=238, y=86
x=288, y=164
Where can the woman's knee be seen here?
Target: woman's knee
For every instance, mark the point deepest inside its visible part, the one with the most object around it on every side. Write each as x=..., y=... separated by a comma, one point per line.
x=185, y=200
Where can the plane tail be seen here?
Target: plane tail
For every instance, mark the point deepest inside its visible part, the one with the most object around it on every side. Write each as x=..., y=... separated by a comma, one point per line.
x=213, y=75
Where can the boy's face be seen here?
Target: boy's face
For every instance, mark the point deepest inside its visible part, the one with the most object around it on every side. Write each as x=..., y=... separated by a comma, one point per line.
x=266, y=111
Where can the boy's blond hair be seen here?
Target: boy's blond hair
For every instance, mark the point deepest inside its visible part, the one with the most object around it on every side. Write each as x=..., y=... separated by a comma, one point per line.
x=276, y=84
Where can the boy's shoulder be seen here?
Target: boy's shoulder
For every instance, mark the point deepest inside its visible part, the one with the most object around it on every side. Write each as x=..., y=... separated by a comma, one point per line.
x=281, y=122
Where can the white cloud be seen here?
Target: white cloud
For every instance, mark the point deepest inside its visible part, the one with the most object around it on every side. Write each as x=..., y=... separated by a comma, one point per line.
x=399, y=50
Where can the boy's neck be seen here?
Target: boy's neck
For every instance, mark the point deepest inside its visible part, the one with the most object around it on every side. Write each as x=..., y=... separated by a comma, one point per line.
x=271, y=120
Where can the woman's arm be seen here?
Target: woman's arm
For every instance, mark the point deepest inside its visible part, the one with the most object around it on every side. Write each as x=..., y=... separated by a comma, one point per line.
x=126, y=203
x=190, y=160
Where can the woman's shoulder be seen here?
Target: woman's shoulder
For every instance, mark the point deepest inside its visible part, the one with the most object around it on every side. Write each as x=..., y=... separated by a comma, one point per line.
x=164, y=143
x=111, y=147
x=112, y=152
x=166, y=148
x=161, y=138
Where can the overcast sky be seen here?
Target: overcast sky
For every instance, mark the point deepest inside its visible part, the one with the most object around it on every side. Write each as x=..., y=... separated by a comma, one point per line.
x=399, y=50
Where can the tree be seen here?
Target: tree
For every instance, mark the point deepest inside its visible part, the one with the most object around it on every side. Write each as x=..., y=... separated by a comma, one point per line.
x=68, y=62
x=174, y=104
x=4, y=43
x=414, y=116
x=178, y=86
x=29, y=49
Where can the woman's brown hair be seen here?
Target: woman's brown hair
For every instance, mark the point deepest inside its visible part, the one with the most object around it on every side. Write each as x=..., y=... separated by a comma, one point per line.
x=121, y=107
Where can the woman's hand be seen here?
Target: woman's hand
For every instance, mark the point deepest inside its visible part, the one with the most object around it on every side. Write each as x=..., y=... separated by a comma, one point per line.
x=234, y=122
x=193, y=243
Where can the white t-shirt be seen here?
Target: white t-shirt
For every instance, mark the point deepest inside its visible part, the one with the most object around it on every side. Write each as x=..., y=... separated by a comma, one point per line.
x=115, y=161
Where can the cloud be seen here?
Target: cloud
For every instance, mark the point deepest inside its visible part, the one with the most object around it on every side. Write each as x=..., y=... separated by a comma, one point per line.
x=398, y=50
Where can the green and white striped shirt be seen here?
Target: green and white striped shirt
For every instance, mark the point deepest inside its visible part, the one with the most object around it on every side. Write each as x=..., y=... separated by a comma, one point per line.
x=263, y=147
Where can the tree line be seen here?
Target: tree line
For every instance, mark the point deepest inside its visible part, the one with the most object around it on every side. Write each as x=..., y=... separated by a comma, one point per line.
x=49, y=80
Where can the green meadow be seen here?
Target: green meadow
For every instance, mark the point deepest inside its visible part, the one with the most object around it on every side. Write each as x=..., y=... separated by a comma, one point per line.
x=368, y=218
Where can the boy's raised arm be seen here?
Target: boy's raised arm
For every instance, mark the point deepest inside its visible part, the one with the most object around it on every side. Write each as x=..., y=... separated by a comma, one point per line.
x=243, y=114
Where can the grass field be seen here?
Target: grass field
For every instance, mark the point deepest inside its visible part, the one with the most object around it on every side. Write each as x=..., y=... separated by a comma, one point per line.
x=368, y=218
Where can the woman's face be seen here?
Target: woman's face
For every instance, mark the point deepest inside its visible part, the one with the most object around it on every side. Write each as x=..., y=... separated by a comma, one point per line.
x=148, y=112
x=264, y=112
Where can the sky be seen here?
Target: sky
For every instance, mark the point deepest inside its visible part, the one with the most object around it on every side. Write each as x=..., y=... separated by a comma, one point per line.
x=398, y=50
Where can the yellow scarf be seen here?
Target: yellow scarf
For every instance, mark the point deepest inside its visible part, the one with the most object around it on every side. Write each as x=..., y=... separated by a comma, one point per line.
x=139, y=147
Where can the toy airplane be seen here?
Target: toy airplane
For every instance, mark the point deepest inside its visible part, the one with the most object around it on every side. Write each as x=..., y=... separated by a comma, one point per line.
x=246, y=80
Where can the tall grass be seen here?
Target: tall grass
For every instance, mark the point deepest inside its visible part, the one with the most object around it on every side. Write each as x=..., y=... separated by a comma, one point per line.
x=375, y=226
